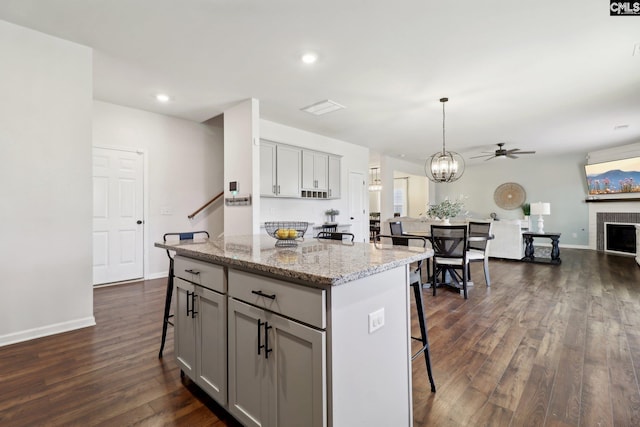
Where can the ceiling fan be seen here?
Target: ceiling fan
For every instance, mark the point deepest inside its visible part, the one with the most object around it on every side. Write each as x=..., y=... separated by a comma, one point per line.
x=501, y=152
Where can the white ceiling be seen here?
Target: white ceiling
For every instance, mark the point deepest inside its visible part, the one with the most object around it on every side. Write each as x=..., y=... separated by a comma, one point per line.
x=546, y=75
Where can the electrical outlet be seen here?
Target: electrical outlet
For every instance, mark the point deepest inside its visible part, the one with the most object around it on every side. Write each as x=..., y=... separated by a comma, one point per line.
x=376, y=320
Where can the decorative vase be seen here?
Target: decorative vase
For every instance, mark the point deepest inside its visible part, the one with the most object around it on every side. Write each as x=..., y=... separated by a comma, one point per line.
x=446, y=221
x=332, y=218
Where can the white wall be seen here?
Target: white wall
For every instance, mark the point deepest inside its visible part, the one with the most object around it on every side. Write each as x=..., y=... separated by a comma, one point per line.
x=45, y=220
x=559, y=180
x=242, y=164
x=184, y=162
x=355, y=158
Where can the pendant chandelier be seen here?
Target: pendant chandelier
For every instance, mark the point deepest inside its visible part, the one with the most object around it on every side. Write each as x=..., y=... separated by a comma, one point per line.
x=444, y=166
x=376, y=184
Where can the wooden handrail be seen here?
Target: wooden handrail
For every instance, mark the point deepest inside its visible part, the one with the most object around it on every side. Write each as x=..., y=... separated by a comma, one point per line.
x=203, y=207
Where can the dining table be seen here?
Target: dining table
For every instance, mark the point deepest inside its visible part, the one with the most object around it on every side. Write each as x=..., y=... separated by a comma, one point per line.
x=471, y=237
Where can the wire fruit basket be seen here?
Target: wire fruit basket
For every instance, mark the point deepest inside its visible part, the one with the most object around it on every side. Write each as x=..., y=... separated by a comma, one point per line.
x=286, y=233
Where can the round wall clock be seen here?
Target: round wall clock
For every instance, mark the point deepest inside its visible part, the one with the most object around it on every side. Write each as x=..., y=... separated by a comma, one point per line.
x=509, y=195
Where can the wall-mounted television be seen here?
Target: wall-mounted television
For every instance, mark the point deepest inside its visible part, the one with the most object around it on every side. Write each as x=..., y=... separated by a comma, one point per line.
x=613, y=177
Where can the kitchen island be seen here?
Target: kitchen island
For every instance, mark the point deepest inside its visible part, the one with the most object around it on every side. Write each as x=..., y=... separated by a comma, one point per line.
x=316, y=335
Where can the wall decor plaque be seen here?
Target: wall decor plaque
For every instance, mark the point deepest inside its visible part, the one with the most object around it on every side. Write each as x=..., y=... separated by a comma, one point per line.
x=509, y=195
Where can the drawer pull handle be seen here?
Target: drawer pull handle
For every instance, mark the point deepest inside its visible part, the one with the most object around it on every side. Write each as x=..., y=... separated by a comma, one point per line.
x=196, y=272
x=262, y=294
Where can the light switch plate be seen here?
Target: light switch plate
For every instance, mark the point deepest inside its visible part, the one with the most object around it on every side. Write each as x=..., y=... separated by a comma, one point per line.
x=376, y=320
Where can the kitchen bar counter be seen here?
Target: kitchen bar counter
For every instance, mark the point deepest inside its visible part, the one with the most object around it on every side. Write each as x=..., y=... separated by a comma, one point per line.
x=313, y=262
x=312, y=335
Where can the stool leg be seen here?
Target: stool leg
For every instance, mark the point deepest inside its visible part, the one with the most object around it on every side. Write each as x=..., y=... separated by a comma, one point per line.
x=417, y=291
x=167, y=307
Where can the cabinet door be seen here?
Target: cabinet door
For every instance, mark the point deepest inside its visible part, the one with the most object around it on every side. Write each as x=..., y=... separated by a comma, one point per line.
x=296, y=376
x=211, y=343
x=288, y=171
x=314, y=170
x=248, y=392
x=184, y=326
x=308, y=177
x=267, y=168
x=320, y=170
x=334, y=177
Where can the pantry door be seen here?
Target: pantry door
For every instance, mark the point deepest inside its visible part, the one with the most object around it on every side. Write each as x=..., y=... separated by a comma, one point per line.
x=118, y=220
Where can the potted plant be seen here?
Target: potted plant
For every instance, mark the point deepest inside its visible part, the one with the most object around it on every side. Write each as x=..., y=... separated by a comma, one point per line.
x=526, y=210
x=446, y=209
x=331, y=213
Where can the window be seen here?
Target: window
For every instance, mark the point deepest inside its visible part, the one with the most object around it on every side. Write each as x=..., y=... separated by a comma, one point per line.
x=400, y=190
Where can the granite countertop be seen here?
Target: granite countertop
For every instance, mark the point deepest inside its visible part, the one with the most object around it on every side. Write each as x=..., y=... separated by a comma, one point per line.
x=313, y=262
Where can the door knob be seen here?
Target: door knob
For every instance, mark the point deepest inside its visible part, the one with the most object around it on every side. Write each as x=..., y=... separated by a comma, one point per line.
x=352, y=217
x=139, y=222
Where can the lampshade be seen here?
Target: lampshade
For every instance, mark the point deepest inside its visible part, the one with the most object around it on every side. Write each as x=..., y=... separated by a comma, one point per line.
x=541, y=208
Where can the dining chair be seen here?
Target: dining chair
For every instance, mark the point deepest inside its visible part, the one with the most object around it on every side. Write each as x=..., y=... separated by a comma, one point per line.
x=415, y=281
x=329, y=227
x=478, y=250
x=189, y=235
x=450, y=256
x=335, y=235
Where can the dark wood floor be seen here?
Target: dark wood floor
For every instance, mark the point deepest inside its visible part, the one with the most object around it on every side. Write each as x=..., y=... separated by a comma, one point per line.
x=545, y=345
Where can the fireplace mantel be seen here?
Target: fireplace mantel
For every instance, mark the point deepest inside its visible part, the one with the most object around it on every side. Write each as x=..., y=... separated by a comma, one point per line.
x=613, y=199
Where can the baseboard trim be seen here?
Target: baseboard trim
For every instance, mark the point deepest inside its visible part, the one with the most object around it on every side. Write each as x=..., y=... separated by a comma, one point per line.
x=161, y=275
x=56, y=328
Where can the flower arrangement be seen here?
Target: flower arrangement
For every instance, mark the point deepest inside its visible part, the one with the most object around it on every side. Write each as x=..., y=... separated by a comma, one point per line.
x=332, y=212
x=526, y=209
x=446, y=209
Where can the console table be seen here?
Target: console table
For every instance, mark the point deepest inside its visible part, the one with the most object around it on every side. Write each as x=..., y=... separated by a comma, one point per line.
x=529, y=249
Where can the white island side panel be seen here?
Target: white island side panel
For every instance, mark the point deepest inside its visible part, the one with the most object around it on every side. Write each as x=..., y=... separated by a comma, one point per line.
x=370, y=374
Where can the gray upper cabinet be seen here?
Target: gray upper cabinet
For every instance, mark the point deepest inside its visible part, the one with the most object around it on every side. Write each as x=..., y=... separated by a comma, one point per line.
x=314, y=170
x=288, y=171
x=280, y=167
x=334, y=177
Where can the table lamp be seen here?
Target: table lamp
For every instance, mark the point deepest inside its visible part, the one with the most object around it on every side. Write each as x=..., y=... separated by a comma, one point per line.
x=540, y=209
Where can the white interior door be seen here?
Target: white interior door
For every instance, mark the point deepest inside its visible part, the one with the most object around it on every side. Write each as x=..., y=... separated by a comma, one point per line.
x=356, y=205
x=117, y=215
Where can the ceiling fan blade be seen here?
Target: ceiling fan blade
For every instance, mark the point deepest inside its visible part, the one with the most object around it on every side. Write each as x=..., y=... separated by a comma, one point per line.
x=492, y=157
x=484, y=155
x=511, y=156
x=526, y=152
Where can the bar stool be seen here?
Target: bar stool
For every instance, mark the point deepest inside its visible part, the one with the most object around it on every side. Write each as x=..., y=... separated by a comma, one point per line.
x=167, y=302
x=415, y=281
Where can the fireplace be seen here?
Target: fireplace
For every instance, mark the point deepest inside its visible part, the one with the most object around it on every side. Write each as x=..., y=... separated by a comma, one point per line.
x=621, y=224
x=620, y=238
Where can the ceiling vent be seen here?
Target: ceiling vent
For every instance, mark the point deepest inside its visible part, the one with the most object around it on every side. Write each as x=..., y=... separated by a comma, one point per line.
x=322, y=107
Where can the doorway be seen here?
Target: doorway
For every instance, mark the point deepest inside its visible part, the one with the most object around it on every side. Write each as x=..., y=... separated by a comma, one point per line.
x=118, y=217
x=356, y=205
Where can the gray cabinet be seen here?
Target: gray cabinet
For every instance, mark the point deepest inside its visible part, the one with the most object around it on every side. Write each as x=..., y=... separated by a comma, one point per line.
x=314, y=171
x=334, y=177
x=280, y=167
x=200, y=343
x=277, y=366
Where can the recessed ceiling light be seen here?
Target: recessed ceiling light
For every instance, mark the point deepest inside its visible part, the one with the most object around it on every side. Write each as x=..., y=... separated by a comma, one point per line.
x=163, y=97
x=621, y=127
x=309, y=58
x=322, y=107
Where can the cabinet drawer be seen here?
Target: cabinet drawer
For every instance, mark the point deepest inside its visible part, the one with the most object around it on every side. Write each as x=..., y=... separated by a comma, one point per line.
x=202, y=273
x=299, y=302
